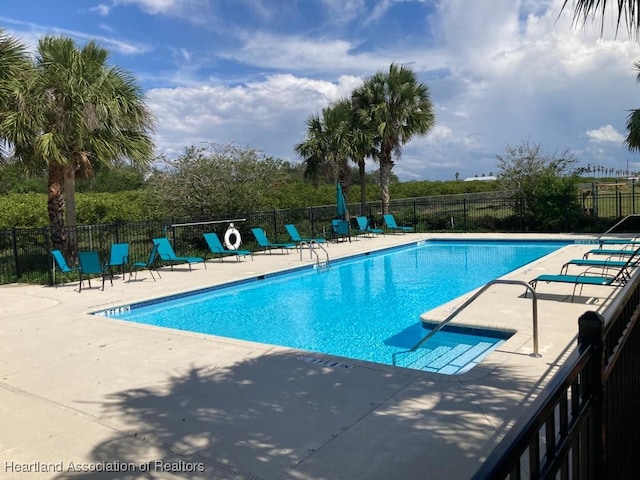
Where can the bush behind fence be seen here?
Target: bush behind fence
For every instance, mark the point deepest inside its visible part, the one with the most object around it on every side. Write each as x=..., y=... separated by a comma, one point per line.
x=25, y=252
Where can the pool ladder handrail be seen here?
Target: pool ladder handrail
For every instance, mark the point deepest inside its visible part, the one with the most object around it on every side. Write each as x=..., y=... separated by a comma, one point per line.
x=312, y=244
x=632, y=215
x=455, y=313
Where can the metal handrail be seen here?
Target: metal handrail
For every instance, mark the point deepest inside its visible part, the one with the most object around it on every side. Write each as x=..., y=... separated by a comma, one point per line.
x=441, y=325
x=312, y=244
x=620, y=223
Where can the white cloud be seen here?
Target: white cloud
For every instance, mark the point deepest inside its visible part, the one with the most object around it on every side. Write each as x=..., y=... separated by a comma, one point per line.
x=268, y=115
x=605, y=134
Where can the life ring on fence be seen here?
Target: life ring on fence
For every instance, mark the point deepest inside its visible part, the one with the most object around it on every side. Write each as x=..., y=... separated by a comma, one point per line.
x=232, y=238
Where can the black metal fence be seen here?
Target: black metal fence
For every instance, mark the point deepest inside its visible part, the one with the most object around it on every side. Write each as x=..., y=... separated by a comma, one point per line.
x=586, y=423
x=25, y=252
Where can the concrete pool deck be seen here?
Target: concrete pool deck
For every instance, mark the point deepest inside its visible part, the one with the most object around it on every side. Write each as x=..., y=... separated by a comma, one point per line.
x=80, y=393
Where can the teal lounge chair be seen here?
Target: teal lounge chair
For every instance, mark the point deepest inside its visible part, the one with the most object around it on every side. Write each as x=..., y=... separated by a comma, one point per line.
x=390, y=222
x=151, y=264
x=619, y=241
x=583, y=279
x=296, y=237
x=119, y=258
x=365, y=228
x=217, y=249
x=621, y=253
x=265, y=244
x=606, y=264
x=62, y=265
x=90, y=264
x=167, y=254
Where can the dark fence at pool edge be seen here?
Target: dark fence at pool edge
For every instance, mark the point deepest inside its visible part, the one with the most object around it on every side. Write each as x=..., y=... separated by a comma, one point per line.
x=25, y=252
x=586, y=423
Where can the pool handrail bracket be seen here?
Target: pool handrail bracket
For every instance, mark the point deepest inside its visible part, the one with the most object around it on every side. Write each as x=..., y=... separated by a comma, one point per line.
x=459, y=309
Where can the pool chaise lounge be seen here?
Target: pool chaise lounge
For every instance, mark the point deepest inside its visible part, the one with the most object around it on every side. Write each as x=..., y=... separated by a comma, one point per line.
x=168, y=255
x=588, y=278
x=218, y=250
x=266, y=245
x=620, y=253
x=581, y=279
x=296, y=237
x=366, y=229
x=619, y=241
x=390, y=222
x=605, y=264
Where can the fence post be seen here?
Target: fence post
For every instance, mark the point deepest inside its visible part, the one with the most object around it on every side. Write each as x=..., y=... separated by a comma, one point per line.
x=14, y=246
x=47, y=242
x=275, y=225
x=464, y=214
x=415, y=217
x=590, y=332
x=619, y=202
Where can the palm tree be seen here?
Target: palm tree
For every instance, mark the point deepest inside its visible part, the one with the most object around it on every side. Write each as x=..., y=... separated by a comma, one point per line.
x=84, y=111
x=398, y=107
x=15, y=69
x=325, y=148
x=589, y=9
x=357, y=142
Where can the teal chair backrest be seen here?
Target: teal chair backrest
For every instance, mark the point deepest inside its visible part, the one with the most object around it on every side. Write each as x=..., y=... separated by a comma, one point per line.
x=213, y=242
x=90, y=262
x=340, y=227
x=61, y=262
x=261, y=237
x=390, y=220
x=165, y=250
x=293, y=232
x=119, y=254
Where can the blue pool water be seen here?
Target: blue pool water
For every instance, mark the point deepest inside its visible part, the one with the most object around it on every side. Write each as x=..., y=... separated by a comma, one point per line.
x=364, y=308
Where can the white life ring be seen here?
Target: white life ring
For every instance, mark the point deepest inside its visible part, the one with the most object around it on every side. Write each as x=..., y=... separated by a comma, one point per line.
x=232, y=238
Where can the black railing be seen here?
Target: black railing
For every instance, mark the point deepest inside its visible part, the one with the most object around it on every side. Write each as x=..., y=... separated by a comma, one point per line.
x=586, y=423
x=24, y=252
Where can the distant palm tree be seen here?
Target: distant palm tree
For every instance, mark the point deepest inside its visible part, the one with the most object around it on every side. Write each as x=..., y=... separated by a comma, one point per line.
x=82, y=111
x=398, y=108
x=627, y=9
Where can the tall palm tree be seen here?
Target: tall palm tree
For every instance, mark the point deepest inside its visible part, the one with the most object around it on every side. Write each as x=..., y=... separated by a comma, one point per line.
x=324, y=149
x=398, y=107
x=358, y=142
x=629, y=10
x=84, y=111
x=15, y=69
x=633, y=123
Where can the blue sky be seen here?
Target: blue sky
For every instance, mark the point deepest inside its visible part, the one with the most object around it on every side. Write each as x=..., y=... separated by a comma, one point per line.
x=250, y=72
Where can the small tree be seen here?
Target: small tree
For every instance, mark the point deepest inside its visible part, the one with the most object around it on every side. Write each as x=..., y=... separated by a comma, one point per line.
x=218, y=180
x=543, y=186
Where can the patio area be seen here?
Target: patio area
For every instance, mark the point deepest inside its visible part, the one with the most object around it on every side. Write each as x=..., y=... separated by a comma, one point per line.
x=90, y=397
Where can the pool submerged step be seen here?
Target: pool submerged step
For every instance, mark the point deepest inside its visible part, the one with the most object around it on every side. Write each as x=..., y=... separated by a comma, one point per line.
x=447, y=359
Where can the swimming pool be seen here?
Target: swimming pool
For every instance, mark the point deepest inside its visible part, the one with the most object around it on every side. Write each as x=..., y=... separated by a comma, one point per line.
x=365, y=308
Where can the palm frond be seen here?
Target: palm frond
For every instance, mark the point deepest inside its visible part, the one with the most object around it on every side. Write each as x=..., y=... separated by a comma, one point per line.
x=628, y=13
